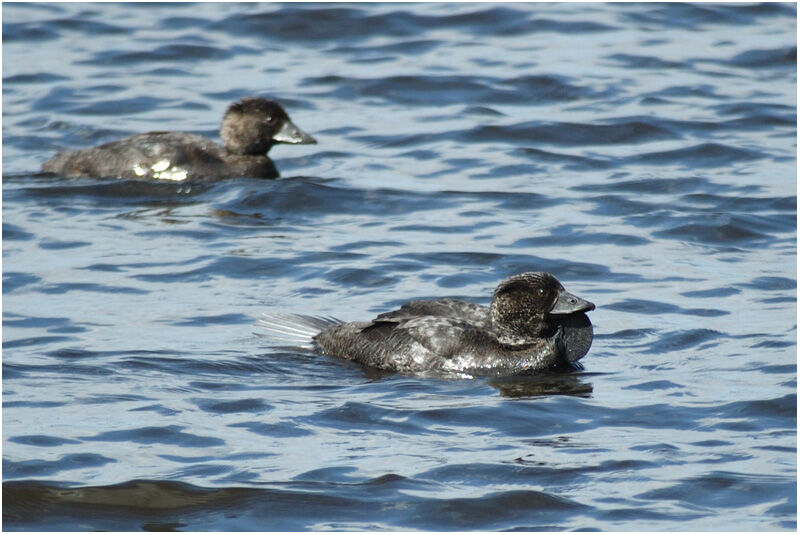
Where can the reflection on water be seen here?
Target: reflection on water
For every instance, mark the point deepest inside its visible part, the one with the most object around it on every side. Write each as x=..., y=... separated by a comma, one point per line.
x=550, y=384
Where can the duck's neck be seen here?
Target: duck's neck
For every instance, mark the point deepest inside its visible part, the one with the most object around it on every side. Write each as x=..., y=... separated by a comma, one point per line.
x=511, y=338
x=518, y=332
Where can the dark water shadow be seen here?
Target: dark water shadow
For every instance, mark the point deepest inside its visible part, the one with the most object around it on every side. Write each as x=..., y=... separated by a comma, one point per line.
x=547, y=384
x=152, y=505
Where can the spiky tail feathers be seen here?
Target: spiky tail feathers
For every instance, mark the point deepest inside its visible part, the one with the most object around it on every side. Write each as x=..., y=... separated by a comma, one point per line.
x=297, y=330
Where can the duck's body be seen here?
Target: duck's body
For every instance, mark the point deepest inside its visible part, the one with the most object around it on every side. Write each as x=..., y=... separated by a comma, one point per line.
x=532, y=324
x=161, y=156
x=435, y=344
x=249, y=129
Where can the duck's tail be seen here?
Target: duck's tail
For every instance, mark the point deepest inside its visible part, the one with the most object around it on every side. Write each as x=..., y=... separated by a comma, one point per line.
x=296, y=330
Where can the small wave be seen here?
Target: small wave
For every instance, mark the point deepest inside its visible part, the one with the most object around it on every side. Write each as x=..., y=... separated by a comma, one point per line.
x=12, y=233
x=569, y=161
x=647, y=62
x=170, y=434
x=766, y=59
x=315, y=24
x=28, y=31
x=685, y=339
x=641, y=306
x=448, y=89
x=40, y=468
x=280, y=429
x=570, y=134
x=722, y=490
x=237, y=406
x=41, y=441
x=718, y=230
x=699, y=15
x=404, y=48
x=165, y=53
x=33, y=78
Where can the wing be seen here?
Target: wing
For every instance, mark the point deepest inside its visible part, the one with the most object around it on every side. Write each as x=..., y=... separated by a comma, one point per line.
x=405, y=345
x=175, y=148
x=462, y=311
x=435, y=336
x=162, y=155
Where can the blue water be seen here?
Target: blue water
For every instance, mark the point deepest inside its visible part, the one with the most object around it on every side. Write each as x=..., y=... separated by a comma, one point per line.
x=644, y=154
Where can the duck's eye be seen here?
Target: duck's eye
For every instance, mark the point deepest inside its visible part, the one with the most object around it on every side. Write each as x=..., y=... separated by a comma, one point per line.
x=540, y=291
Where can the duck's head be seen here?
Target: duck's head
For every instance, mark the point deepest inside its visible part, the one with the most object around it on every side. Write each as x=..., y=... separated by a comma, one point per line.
x=529, y=305
x=252, y=125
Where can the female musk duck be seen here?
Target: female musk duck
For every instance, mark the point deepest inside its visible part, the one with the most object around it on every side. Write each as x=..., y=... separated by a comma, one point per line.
x=250, y=127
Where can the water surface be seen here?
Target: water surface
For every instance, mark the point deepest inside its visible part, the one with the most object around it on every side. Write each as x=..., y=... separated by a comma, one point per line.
x=644, y=154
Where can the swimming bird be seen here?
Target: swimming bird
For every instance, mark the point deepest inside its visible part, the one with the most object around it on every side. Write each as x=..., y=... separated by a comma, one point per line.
x=532, y=324
x=250, y=127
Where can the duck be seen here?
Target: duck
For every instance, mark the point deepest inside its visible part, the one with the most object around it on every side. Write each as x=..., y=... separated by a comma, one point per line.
x=531, y=325
x=250, y=127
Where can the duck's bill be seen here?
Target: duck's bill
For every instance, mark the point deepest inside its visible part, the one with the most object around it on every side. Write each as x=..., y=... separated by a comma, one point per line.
x=289, y=133
x=570, y=304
